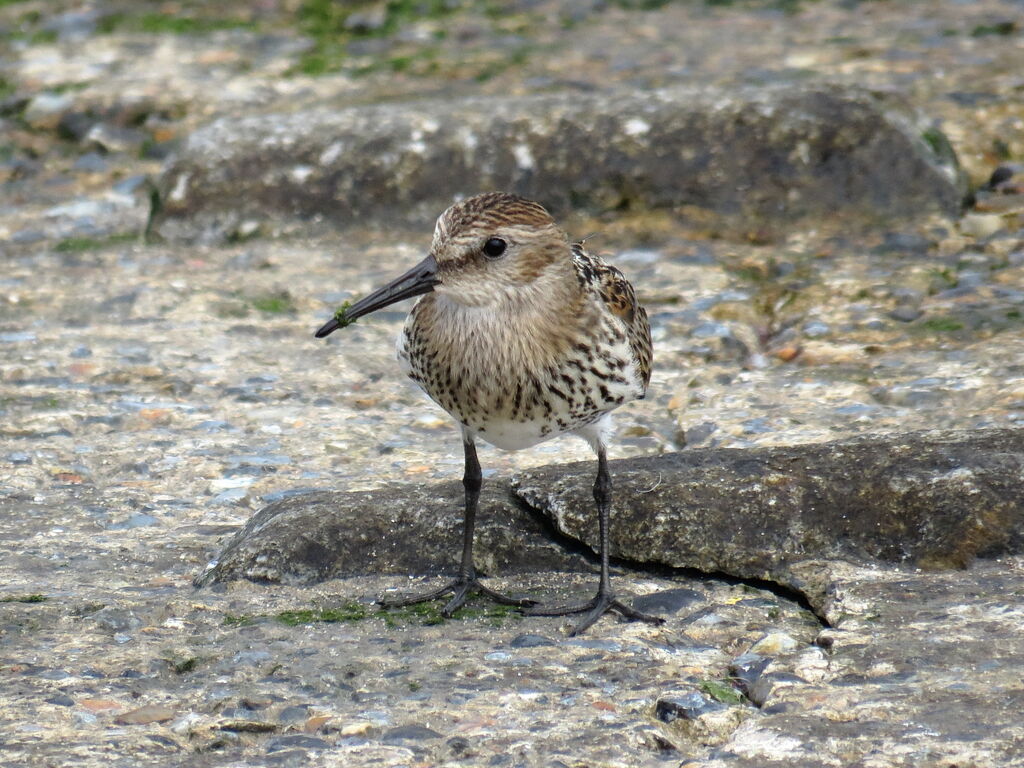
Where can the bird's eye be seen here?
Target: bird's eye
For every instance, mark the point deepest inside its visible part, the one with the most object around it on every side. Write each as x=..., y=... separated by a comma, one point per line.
x=494, y=247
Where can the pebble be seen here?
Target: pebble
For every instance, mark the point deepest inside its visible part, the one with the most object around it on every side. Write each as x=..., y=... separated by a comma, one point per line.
x=44, y=110
x=746, y=669
x=532, y=641
x=981, y=225
x=91, y=162
x=774, y=643
x=137, y=520
x=111, y=138
x=667, y=601
x=296, y=740
x=688, y=705
x=293, y=714
x=404, y=734
x=116, y=619
x=149, y=713
x=906, y=313
x=816, y=329
x=768, y=683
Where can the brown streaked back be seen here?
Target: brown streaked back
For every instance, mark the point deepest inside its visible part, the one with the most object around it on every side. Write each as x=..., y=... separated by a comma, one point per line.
x=619, y=297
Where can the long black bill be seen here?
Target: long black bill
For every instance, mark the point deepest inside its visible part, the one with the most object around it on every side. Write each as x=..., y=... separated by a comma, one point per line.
x=419, y=280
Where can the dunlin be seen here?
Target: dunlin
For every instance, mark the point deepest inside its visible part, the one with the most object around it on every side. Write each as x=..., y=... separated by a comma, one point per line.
x=521, y=336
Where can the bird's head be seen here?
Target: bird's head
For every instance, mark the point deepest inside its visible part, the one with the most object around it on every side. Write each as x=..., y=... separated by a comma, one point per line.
x=485, y=250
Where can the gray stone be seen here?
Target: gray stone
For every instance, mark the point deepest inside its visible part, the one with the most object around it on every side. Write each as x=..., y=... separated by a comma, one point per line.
x=45, y=109
x=928, y=499
x=687, y=705
x=668, y=601
x=746, y=669
x=401, y=529
x=724, y=156
x=405, y=734
x=296, y=741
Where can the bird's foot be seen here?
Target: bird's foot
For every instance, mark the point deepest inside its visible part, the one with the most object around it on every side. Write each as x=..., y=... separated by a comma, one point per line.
x=602, y=603
x=460, y=589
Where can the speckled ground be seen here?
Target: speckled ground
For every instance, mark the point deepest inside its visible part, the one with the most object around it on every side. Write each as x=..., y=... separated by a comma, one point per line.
x=153, y=396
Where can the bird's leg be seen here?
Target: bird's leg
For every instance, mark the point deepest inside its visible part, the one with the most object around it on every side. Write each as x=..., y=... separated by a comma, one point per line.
x=467, y=582
x=604, y=601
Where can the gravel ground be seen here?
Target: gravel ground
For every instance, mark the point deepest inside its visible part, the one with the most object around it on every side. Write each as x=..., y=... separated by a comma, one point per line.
x=152, y=396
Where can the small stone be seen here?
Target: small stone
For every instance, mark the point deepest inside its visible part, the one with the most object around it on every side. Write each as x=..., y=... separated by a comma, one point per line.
x=530, y=641
x=315, y=723
x=906, y=313
x=768, y=683
x=243, y=725
x=774, y=643
x=746, y=669
x=293, y=714
x=684, y=705
x=296, y=741
x=61, y=700
x=186, y=724
x=90, y=162
x=115, y=619
x=360, y=728
x=150, y=713
x=404, y=734
x=75, y=126
x=289, y=758
x=698, y=434
x=45, y=109
x=903, y=242
x=786, y=354
x=27, y=236
x=816, y=329
x=137, y=520
x=19, y=458
x=98, y=705
x=667, y=601
x=111, y=138
x=982, y=225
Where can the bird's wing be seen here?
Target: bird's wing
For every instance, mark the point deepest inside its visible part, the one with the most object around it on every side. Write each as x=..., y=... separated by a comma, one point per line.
x=619, y=297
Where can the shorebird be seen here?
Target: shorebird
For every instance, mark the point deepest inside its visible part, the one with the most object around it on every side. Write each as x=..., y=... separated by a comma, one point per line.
x=520, y=336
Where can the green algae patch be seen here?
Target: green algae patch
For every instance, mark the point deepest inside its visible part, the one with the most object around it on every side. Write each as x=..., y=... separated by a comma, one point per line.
x=341, y=315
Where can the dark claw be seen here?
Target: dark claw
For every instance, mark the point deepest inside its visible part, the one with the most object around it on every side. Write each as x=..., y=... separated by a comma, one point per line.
x=460, y=589
x=594, y=609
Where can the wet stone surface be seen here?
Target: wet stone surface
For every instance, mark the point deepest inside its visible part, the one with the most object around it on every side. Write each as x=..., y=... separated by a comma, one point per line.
x=154, y=396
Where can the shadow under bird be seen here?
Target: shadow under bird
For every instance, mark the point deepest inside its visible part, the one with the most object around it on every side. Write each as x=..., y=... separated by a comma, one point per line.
x=521, y=336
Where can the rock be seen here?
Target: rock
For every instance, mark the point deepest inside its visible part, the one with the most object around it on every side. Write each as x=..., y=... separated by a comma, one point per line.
x=150, y=713
x=112, y=138
x=530, y=641
x=115, y=619
x=774, y=643
x=44, y=110
x=764, y=158
x=982, y=225
x=746, y=669
x=405, y=734
x=296, y=741
x=400, y=529
x=906, y=313
x=927, y=499
x=668, y=601
x=686, y=705
x=293, y=714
